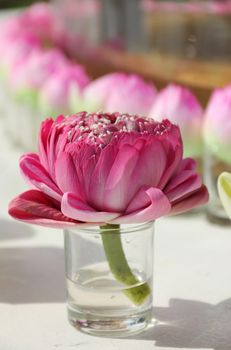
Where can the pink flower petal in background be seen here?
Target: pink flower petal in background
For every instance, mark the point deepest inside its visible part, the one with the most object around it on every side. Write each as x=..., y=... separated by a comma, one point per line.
x=15, y=51
x=37, y=68
x=120, y=92
x=133, y=95
x=59, y=91
x=42, y=20
x=218, y=115
x=181, y=107
x=217, y=124
x=97, y=92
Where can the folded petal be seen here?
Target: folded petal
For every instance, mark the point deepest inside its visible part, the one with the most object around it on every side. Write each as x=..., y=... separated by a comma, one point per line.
x=156, y=205
x=76, y=209
x=187, y=164
x=84, y=161
x=94, y=174
x=44, y=134
x=140, y=201
x=55, y=143
x=182, y=185
x=174, y=158
x=36, y=208
x=37, y=176
x=224, y=190
x=48, y=140
x=118, y=191
x=196, y=199
x=68, y=181
x=150, y=165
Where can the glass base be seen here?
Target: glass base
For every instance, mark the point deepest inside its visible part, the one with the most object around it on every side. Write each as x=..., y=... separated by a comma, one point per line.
x=104, y=326
x=109, y=289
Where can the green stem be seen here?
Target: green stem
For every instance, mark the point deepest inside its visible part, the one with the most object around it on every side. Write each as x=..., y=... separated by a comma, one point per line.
x=116, y=258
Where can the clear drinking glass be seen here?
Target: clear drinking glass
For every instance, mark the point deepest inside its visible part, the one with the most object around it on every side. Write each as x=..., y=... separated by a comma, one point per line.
x=109, y=276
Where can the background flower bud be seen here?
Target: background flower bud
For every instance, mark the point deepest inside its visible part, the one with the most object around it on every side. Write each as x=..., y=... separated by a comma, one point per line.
x=63, y=90
x=120, y=92
x=217, y=126
x=181, y=107
x=36, y=69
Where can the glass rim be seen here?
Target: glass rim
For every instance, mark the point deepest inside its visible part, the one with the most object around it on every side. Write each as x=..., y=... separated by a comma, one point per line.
x=124, y=228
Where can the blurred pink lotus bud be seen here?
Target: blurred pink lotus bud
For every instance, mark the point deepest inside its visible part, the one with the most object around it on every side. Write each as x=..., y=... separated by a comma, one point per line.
x=15, y=50
x=220, y=7
x=120, y=92
x=217, y=126
x=15, y=43
x=36, y=69
x=60, y=89
x=42, y=20
x=180, y=106
x=38, y=21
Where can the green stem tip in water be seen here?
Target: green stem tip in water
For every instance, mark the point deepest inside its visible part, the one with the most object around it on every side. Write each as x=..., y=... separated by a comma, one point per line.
x=120, y=269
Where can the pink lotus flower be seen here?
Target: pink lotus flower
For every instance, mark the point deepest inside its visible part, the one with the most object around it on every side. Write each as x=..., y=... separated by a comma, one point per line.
x=122, y=92
x=36, y=69
x=106, y=168
x=39, y=20
x=217, y=125
x=218, y=114
x=60, y=89
x=15, y=49
x=220, y=7
x=181, y=107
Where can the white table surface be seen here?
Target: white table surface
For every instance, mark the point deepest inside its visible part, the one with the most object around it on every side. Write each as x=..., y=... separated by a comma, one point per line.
x=192, y=282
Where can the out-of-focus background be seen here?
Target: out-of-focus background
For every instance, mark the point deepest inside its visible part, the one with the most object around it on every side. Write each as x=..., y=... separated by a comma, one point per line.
x=156, y=58
x=185, y=41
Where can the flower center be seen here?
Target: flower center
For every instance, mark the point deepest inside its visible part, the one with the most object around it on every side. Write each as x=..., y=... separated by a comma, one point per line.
x=99, y=128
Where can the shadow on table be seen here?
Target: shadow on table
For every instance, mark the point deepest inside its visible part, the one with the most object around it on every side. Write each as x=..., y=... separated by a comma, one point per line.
x=32, y=275
x=191, y=324
x=10, y=229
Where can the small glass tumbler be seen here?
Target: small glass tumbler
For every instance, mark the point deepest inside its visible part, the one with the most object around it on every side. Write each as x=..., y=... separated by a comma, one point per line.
x=109, y=275
x=213, y=167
